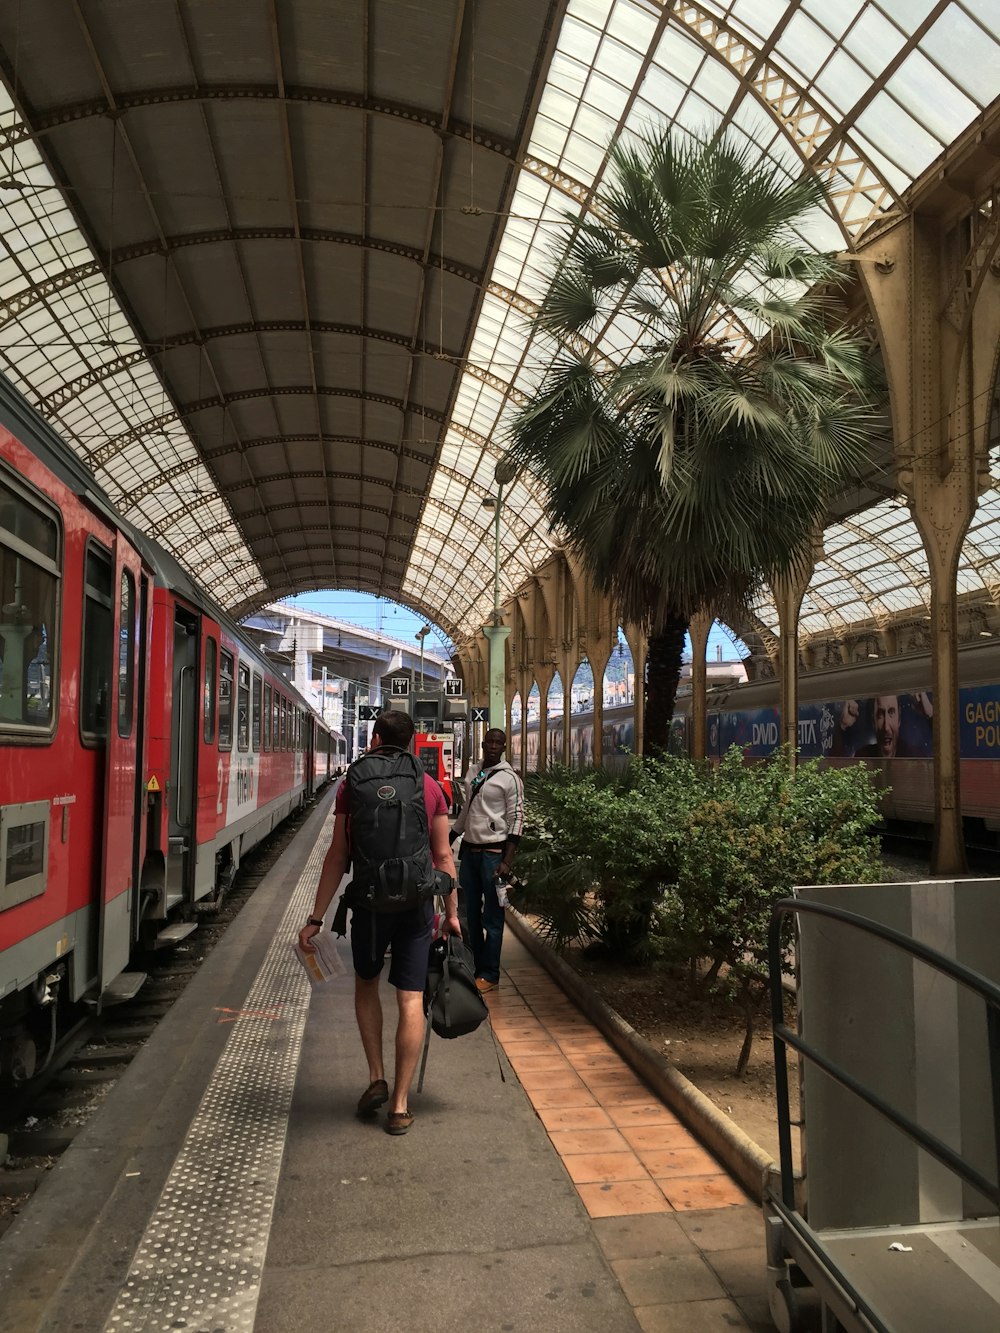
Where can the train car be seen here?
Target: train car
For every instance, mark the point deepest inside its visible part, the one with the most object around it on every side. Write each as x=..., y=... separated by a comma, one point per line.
x=618, y=736
x=326, y=751
x=880, y=714
x=145, y=743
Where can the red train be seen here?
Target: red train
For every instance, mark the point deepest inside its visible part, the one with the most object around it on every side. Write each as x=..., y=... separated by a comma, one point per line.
x=145, y=743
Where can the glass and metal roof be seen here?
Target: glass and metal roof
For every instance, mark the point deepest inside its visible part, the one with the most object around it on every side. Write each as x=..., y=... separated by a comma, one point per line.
x=270, y=270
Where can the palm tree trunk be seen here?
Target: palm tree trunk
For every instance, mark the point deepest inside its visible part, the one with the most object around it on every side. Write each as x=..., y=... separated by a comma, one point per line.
x=663, y=673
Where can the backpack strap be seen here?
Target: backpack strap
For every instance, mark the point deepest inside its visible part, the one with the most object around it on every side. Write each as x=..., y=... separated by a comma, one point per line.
x=478, y=785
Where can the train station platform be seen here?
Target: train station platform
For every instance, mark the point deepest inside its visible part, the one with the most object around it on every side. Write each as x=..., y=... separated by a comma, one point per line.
x=226, y=1183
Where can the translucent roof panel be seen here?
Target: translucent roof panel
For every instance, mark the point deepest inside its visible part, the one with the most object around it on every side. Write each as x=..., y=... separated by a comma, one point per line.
x=867, y=93
x=305, y=428
x=69, y=348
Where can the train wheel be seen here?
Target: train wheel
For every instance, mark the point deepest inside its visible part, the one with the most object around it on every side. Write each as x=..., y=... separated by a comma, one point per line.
x=18, y=1057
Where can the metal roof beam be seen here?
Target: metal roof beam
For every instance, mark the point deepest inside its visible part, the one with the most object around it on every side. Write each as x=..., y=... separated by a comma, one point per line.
x=56, y=117
x=101, y=456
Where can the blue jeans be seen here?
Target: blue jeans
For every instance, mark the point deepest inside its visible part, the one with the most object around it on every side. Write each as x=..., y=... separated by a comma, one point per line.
x=482, y=911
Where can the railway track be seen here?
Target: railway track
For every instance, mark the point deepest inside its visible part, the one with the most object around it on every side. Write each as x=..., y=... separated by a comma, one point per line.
x=39, y=1121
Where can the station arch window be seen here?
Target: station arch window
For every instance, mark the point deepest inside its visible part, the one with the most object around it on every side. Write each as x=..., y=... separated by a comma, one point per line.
x=96, y=652
x=243, y=708
x=209, y=693
x=226, y=701
x=30, y=584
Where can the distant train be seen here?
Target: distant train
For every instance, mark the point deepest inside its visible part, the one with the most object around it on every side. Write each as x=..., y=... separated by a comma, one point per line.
x=145, y=743
x=877, y=713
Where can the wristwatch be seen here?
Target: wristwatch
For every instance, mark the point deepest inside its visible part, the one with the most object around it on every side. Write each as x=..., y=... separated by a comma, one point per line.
x=314, y=921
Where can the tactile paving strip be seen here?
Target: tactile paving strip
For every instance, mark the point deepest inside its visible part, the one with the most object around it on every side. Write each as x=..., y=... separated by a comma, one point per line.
x=199, y=1263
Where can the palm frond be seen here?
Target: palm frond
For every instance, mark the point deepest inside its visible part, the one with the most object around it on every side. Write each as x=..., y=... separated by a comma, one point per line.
x=689, y=474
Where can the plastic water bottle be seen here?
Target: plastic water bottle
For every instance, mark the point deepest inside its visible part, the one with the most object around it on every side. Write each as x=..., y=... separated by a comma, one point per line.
x=502, y=883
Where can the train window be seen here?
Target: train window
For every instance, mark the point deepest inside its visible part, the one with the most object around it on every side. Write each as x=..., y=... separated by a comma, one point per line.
x=284, y=724
x=24, y=852
x=276, y=721
x=126, y=653
x=226, y=701
x=30, y=574
x=256, y=712
x=267, y=717
x=208, y=693
x=96, y=663
x=243, y=708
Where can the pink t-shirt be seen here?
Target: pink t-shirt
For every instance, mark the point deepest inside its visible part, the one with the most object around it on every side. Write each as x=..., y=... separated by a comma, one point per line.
x=433, y=799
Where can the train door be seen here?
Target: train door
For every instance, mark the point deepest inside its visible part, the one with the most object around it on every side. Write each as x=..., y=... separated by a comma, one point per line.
x=122, y=753
x=183, y=758
x=309, y=742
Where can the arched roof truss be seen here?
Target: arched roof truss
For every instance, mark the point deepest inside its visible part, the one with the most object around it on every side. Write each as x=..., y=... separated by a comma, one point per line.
x=270, y=270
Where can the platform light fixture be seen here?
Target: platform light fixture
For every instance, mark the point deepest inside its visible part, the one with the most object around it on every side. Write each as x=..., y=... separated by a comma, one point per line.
x=422, y=634
x=504, y=473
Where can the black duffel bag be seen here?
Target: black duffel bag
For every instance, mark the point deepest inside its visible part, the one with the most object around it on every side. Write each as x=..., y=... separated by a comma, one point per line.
x=452, y=1003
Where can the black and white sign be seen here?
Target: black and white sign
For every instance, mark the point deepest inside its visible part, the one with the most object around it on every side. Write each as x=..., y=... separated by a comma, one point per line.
x=399, y=687
x=367, y=713
x=480, y=715
x=453, y=687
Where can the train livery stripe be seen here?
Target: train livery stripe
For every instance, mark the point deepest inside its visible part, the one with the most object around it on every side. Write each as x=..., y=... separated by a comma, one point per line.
x=219, y=1197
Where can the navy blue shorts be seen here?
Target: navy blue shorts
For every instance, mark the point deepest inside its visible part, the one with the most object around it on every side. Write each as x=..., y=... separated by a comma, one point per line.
x=410, y=935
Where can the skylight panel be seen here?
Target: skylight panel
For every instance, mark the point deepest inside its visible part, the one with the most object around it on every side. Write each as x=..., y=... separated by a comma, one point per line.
x=932, y=98
x=580, y=34
x=804, y=47
x=549, y=138
x=568, y=75
x=679, y=56
x=716, y=84
x=559, y=107
x=912, y=147
x=618, y=65
x=873, y=41
x=597, y=122
x=835, y=19
x=583, y=157
x=949, y=42
x=633, y=26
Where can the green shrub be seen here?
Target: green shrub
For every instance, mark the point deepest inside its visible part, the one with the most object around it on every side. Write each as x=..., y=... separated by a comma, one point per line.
x=599, y=851
x=675, y=861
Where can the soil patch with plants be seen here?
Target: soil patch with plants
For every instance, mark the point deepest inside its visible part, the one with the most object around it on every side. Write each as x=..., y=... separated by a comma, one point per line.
x=657, y=884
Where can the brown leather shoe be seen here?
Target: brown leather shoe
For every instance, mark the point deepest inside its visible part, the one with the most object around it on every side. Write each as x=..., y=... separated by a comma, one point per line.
x=374, y=1096
x=398, y=1122
x=484, y=987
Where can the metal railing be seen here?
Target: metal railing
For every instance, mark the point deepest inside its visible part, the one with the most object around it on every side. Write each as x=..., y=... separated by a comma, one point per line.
x=784, y=1037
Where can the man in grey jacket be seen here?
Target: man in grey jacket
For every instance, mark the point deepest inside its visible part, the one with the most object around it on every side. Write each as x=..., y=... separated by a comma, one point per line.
x=491, y=820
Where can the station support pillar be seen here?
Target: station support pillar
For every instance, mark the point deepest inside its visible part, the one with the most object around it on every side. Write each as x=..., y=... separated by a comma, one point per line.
x=636, y=636
x=598, y=666
x=701, y=624
x=497, y=636
x=789, y=591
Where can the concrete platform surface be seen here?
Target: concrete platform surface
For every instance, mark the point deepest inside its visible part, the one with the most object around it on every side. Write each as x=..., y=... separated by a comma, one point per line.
x=261, y=1202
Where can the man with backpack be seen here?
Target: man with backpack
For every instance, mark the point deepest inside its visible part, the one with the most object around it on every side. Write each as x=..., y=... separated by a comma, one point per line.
x=491, y=821
x=391, y=827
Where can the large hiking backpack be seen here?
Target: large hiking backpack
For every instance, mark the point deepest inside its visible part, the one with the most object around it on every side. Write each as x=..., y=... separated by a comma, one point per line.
x=390, y=850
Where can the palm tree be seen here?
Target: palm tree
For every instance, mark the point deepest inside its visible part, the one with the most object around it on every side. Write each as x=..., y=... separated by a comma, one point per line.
x=701, y=463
